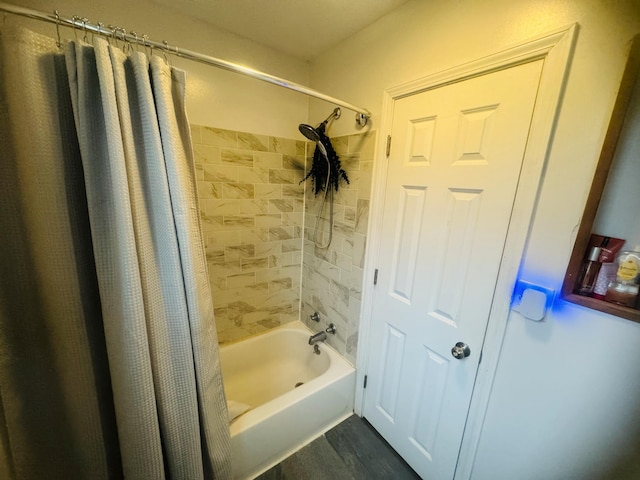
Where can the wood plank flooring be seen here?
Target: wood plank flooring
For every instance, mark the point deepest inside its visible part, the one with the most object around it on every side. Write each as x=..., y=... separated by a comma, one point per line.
x=351, y=450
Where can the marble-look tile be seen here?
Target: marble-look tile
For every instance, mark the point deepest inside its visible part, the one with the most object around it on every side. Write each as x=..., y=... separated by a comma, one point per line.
x=268, y=220
x=221, y=206
x=249, y=141
x=209, y=190
x=343, y=227
x=241, y=280
x=270, y=322
x=352, y=346
x=277, y=273
x=217, y=282
x=292, y=245
x=271, y=222
x=280, y=233
x=344, y=262
x=283, y=145
x=277, y=175
x=342, y=292
x=350, y=216
x=239, y=158
x=269, y=248
x=347, y=197
x=220, y=173
x=353, y=280
x=292, y=219
x=223, y=239
x=268, y=191
x=364, y=144
x=340, y=144
x=237, y=190
x=359, y=246
x=298, y=205
x=280, y=284
x=245, y=221
x=252, y=207
x=211, y=223
x=362, y=216
x=214, y=254
x=267, y=160
x=237, y=252
x=364, y=183
x=254, y=264
x=350, y=162
x=199, y=169
x=293, y=162
x=279, y=205
x=223, y=297
x=219, y=137
x=295, y=191
x=256, y=235
x=206, y=154
x=281, y=260
x=224, y=268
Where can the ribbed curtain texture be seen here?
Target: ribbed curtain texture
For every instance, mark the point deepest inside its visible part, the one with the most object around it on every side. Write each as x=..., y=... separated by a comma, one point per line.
x=109, y=362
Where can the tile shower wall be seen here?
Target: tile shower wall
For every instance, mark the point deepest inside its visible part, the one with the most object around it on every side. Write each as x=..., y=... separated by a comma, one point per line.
x=332, y=277
x=252, y=213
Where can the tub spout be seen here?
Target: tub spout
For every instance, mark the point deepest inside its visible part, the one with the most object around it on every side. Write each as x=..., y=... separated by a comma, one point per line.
x=317, y=337
x=322, y=336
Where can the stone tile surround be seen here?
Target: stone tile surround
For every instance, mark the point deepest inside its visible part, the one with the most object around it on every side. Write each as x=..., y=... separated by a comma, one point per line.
x=254, y=212
x=332, y=277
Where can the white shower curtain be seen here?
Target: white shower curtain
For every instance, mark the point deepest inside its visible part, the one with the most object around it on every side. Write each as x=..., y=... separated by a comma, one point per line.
x=136, y=350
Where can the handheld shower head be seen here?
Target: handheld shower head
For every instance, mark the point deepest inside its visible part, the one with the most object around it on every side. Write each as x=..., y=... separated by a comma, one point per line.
x=313, y=135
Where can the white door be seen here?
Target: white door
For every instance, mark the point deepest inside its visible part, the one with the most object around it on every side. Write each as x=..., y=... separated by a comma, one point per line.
x=456, y=155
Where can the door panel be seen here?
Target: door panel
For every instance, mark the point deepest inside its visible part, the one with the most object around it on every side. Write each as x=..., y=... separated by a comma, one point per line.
x=453, y=172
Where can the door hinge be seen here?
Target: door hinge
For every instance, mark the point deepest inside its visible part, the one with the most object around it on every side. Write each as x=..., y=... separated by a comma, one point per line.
x=375, y=277
x=388, y=145
x=364, y=385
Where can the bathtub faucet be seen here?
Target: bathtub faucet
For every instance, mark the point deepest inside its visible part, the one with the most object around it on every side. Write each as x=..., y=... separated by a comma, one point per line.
x=322, y=336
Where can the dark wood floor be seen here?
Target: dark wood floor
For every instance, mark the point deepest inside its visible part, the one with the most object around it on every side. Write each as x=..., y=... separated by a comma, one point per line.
x=351, y=450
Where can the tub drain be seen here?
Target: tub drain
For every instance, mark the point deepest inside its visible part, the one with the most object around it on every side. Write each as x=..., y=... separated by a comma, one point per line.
x=298, y=384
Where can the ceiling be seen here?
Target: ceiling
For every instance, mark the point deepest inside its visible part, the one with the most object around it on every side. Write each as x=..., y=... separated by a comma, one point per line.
x=302, y=28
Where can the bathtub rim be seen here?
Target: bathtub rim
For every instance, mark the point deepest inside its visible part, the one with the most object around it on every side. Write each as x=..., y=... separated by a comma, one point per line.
x=339, y=368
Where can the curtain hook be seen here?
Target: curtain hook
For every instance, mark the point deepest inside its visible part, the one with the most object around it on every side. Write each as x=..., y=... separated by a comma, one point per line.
x=58, y=43
x=111, y=34
x=121, y=31
x=144, y=39
x=76, y=20
x=123, y=37
x=84, y=29
x=135, y=41
x=164, y=52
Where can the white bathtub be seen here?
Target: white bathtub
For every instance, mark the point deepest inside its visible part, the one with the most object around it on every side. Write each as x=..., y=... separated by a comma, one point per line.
x=262, y=372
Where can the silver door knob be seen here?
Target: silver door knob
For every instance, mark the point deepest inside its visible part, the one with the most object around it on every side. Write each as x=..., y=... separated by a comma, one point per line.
x=460, y=350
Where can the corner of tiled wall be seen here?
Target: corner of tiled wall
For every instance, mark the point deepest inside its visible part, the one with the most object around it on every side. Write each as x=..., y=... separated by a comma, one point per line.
x=332, y=277
x=251, y=206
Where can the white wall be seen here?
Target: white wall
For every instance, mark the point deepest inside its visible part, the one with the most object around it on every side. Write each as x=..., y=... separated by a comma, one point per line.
x=566, y=399
x=214, y=97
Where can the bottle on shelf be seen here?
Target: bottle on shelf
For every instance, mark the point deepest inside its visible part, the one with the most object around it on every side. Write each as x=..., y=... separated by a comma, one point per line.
x=589, y=272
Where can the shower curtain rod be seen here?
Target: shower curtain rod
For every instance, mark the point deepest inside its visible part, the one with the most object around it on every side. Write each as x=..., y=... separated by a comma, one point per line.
x=118, y=33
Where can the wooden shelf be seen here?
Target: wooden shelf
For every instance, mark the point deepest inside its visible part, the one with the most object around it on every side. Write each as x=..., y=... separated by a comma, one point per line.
x=606, y=307
x=630, y=81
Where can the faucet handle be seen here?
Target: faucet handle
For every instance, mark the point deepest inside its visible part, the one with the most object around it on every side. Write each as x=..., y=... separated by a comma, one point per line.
x=315, y=317
x=331, y=329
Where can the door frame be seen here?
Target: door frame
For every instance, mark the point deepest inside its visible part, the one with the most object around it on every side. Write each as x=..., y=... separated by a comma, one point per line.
x=556, y=49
